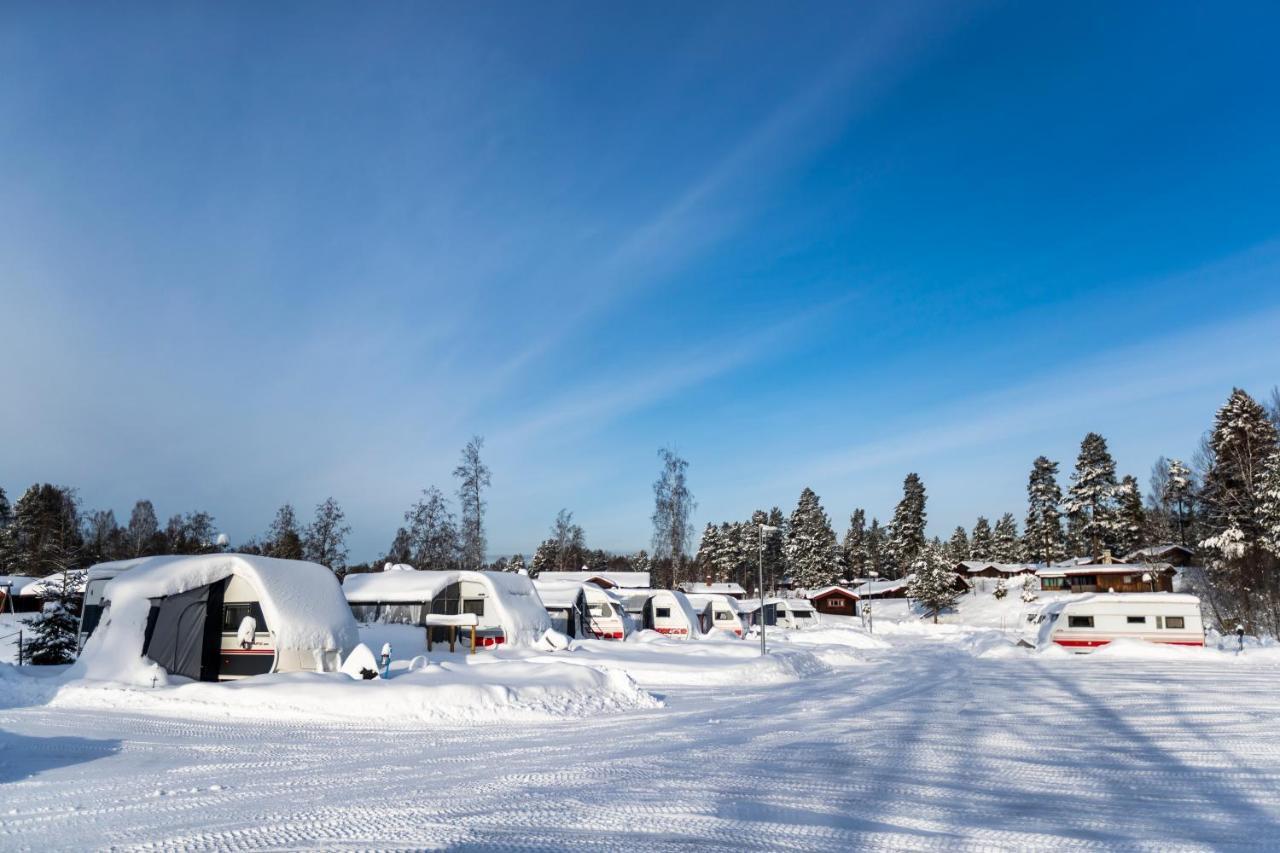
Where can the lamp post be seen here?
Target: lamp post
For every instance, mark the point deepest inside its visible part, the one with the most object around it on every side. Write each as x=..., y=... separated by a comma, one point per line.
x=871, y=625
x=764, y=528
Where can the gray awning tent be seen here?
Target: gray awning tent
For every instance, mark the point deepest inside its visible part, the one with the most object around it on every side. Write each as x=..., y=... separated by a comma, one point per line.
x=184, y=632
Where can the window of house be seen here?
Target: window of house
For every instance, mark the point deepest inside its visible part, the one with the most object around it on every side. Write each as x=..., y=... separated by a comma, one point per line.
x=1176, y=622
x=663, y=612
x=1137, y=620
x=835, y=603
x=1053, y=583
x=1079, y=621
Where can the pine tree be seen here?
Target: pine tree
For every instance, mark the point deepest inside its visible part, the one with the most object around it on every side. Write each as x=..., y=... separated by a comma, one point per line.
x=811, y=544
x=933, y=582
x=1269, y=504
x=1043, y=533
x=6, y=535
x=982, y=543
x=958, y=547
x=709, y=547
x=640, y=562
x=473, y=478
x=517, y=565
x=772, y=543
x=326, y=539
x=907, y=530
x=401, y=550
x=875, y=549
x=544, y=558
x=283, y=539
x=1242, y=570
x=57, y=627
x=1005, y=547
x=854, y=547
x=1090, y=503
x=46, y=530
x=1179, y=495
x=1131, y=518
x=1001, y=590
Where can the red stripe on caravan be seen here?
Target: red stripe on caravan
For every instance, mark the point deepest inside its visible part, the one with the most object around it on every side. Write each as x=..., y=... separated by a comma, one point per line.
x=1093, y=643
x=672, y=630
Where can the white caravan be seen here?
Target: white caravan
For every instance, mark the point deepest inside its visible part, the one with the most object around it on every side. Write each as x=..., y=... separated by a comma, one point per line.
x=608, y=619
x=724, y=612
x=1085, y=622
x=796, y=613
x=94, y=584
x=670, y=613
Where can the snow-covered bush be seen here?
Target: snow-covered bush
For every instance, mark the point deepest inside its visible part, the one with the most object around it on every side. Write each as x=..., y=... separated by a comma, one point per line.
x=1000, y=591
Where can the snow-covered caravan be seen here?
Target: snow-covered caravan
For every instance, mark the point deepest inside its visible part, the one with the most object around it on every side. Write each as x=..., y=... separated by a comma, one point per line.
x=751, y=611
x=796, y=613
x=1084, y=622
x=724, y=612
x=608, y=618
x=218, y=617
x=95, y=585
x=567, y=606
x=670, y=613
x=506, y=607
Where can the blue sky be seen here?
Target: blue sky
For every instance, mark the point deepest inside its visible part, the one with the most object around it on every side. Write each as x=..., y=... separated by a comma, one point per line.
x=251, y=255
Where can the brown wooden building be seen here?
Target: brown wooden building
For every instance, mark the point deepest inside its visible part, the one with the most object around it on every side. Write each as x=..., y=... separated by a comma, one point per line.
x=835, y=600
x=1108, y=577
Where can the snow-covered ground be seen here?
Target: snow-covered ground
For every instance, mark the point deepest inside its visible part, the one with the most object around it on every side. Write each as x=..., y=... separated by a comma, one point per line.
x=916, y=738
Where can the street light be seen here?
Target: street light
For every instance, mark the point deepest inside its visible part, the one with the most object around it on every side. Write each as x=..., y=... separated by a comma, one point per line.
x=866, y=611
x=764, y=528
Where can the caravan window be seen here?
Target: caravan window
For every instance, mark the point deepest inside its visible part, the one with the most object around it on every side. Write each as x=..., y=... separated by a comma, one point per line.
x=1175, y=622
x=447, y=602
x=723, y=616
x=1079, y=621
x=599, y=610
x=799, y=614
x=663, y=612
x=233, y=615
x=1137, y=620
x=473, y=605
x=559, y=619
x=365, y=612
x=402, y=614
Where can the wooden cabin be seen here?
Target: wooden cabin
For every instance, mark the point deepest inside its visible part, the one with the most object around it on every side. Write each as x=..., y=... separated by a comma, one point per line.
x=1108, y=577
x=835, y=600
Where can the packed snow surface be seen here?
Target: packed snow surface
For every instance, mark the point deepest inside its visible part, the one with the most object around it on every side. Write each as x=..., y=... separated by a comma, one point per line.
x=946, y=737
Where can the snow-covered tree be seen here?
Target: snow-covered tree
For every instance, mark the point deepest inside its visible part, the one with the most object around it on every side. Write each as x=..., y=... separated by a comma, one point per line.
x=774, y=547
x=1091, y=500
x=640, y=561
x=854, y=547
x=708, y=556
x=958, y=547
x=473, y=479
x=1030, y=588
x=1269, y=504
x=46, y=530
x=545, y=557
x=6, y=535
x=1179, y=496
x=876, y=544
x=1043, y=529
x=433, y=538
x=326, y=538
x=933, y=582
x=56, y=628
x=1001, y=590
x=1242, y=570
x=1131, y=518
x=1005, y=547
x=907, y=530
x=517, y=564
x=811, y=544
x=982, y=543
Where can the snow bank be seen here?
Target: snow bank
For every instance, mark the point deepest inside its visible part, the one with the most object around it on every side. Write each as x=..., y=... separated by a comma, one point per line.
x=443, y=693
x=654, y=660
x=302, y=603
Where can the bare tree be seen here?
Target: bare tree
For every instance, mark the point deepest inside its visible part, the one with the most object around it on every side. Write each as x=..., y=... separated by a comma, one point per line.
x=569, y=541
x=474, y=478
x=433, y=538
x=326, y=540
x=673, y=504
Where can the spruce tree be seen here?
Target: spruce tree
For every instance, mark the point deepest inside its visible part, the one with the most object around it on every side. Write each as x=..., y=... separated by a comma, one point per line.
x=811, y=544
x=907, y=530
x=401, y=550
x=982, y=544
x=933, y=582
x=640, y=562
x=875, y=549
x=433, y=537
x=958, y=547
x=1179, y=496
x=1091, y=500
x=854, y=547
x=46, y=530
x=544, y=558
x=56, y=629
x=1131, y=518
x=708, y=556
x=1043, y=533
x=6, y=535
x=1005, y=547
x=1001, y=590
x=517, y=565
x=1243, y=571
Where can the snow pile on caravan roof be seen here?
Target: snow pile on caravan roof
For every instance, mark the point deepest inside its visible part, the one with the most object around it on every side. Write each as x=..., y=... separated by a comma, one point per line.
x=302, y=603
x=523, y=617
x=560, y=593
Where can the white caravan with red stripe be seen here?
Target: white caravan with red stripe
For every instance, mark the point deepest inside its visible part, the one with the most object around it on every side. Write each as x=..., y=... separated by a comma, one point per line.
x=670, y=613
x=722, y=612
x=1084, y=622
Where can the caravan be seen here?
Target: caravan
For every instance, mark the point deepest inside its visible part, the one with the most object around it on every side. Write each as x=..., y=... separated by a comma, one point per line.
x=796, y=613
x=95, y=585
x=670, y=613
x=1083, y=623
x=217, y=617
x=721, y=611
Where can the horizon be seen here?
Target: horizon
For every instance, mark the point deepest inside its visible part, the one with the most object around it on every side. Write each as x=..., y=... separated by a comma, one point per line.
x=265, y=257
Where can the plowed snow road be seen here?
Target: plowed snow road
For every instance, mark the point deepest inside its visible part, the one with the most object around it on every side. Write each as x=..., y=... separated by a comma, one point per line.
x=925, y=747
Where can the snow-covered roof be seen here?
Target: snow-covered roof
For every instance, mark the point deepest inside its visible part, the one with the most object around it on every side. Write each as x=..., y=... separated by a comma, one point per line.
x=705, y=588
x=975, y=566
x=1160, y=551
x=52, y=585
x=751, y=605
x=560, y=594
x=524, y=619
x=302, y=603
x=798, y=604
x=700, y=600
x=1103, y=569
x=110, y=569
x=1126, y=599
x=875, y=588
x=828, y=590
x=15, y=583
x=624, y=580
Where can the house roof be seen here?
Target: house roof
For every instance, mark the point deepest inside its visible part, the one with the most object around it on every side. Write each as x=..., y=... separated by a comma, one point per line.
x=828, y=590
x=973, y=567
x=1103, y=569
x=1160, y=551
x=875, y=588
x=706, y=588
